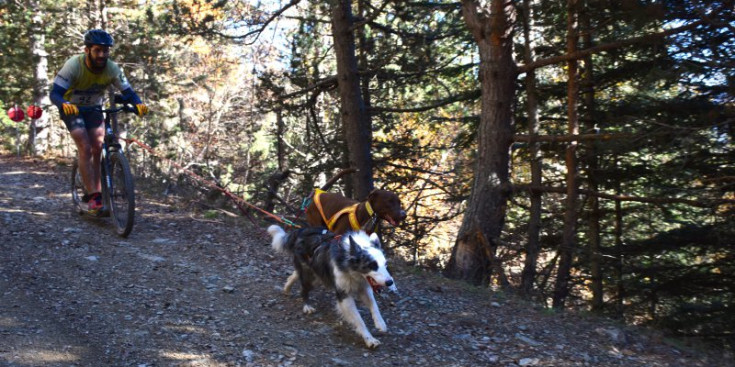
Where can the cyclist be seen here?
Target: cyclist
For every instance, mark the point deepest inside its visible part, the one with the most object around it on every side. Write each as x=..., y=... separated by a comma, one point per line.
x=82, y=81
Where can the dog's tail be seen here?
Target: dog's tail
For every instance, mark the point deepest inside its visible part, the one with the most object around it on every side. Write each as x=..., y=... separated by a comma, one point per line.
x=279, y=238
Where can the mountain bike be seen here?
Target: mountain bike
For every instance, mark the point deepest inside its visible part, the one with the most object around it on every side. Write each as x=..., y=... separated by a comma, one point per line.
x=118, y=192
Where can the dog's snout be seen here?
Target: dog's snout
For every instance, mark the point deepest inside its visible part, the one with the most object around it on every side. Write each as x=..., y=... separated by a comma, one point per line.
x=389, y=282
x=402, y=215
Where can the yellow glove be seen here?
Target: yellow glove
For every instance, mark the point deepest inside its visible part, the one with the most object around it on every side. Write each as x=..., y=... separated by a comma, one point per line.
x=70, y=109
x=142, y=109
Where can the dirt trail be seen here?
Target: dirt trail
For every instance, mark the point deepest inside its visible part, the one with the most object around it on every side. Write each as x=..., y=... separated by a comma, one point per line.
x=185, y=291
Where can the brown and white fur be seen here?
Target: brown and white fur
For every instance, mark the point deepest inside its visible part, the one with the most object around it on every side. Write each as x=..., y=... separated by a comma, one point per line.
x=353, y=265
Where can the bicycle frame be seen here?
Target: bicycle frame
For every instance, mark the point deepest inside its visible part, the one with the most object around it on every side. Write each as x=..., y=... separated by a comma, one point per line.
x=110, y=143
x=114, y=171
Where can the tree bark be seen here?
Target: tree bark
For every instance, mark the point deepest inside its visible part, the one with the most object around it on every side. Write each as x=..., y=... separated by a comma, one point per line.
x=528, y=276
x=96, y=13
x=280, y=146
x=355, y=118
x=591, y=162
x=491, y=24
x=39, y=132
x=568, y=244
x=620, y=310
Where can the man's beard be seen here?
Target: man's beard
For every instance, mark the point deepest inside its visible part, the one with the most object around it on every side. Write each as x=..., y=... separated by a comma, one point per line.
x=98, y=63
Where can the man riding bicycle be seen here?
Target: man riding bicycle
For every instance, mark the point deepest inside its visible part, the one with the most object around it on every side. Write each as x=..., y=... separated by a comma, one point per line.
x=82, y=82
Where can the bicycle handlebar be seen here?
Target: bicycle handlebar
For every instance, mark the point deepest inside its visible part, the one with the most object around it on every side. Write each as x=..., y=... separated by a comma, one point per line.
x=125, y=108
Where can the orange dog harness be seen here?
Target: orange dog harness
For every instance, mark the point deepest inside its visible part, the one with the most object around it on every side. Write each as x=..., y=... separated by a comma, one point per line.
x=351, y=211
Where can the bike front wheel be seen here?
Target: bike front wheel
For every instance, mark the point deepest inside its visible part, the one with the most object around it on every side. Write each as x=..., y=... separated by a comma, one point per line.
x=121, y=194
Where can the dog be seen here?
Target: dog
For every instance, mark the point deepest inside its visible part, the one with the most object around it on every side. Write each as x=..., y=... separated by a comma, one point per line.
x=353, y=265
x=328, y=209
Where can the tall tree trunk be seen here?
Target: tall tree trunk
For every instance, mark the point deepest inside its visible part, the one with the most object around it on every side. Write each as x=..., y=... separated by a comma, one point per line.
x=355, y=119
x=183, y=122
x=588, y=111
x=39, y=132
x=97, y=14
x=568, y=245
x=363, y=57
x=619, y=253
x=491, y=24
x=280, y=145
x=534, y=222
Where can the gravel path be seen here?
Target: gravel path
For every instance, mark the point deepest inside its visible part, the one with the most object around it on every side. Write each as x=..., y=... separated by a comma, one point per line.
x=186, y=291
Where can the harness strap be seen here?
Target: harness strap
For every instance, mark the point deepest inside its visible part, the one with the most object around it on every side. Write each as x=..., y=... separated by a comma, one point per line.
x=317, y=193
x=353, y=218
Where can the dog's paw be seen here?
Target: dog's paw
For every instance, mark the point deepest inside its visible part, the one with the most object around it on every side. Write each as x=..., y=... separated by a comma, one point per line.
x=371, y=342
x=308, y=310
x=381, y=326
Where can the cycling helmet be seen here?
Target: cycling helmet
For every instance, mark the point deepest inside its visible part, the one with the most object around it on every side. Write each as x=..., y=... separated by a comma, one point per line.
x=98, y=37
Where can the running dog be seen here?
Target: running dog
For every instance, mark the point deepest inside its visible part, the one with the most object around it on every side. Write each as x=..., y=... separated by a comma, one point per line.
x=353, y=265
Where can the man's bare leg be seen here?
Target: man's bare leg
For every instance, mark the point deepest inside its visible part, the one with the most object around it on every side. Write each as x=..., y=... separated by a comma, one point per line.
x=96, y=137
x=84, y=155
x=89, y=146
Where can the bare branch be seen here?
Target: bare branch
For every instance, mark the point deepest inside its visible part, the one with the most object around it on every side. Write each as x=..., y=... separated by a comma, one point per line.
x=467, y=96
x=260, y=29
x=324, y=83
x=568, y=138
x=562, y=190
x=607, y=46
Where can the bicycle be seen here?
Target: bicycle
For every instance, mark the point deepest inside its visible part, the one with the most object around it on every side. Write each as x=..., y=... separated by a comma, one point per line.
x=118, y=191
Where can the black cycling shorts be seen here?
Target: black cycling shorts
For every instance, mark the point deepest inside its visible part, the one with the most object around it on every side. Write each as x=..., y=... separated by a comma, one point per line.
x=85, y=119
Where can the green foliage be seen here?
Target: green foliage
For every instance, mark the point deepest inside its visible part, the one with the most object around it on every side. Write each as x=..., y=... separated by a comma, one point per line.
x=14, y=52
x=673, y=98
x=682, y=279
x=10, y=130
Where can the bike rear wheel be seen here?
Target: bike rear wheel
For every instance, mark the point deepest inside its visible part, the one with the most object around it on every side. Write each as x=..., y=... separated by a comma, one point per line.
x=77, y=188
x=121, y=194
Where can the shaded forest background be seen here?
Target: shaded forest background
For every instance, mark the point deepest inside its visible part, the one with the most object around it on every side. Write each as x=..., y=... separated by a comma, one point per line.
x=579, y=152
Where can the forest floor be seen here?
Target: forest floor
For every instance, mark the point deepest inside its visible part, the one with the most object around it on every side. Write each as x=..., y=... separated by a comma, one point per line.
x=184, y=290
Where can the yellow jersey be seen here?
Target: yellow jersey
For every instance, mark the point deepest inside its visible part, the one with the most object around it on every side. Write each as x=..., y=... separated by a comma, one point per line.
x=86, y=88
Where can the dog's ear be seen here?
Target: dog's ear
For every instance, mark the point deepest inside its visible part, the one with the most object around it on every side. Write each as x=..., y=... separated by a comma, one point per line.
x=375, y=240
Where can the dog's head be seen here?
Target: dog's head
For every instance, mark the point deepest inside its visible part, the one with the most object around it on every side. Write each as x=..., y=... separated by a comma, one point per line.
x=387, y=205
x=367, y=258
